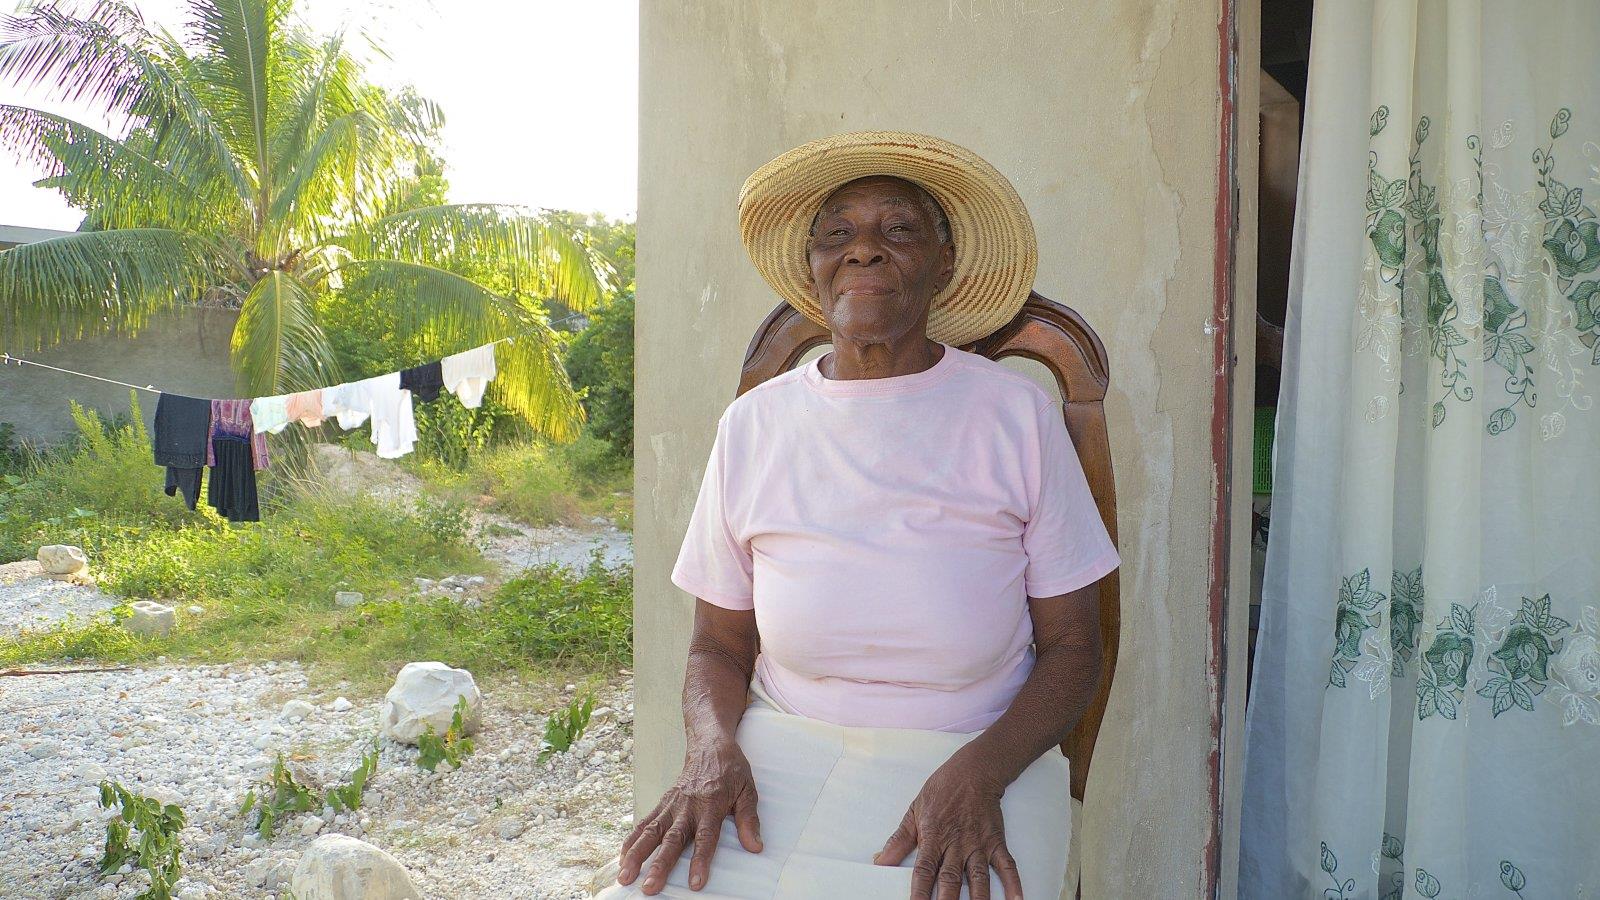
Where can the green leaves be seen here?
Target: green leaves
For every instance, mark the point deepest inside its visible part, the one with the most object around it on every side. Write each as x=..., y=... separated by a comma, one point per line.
x=157, y=850
x=452, y=748
x=564, y=728
x=278, y=796
x=260, y=169
x=347, y=796
x=94, y=282
x=278, y=344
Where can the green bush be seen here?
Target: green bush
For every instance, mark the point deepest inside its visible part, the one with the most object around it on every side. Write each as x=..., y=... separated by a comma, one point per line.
x=600, y=363
x=531, y=483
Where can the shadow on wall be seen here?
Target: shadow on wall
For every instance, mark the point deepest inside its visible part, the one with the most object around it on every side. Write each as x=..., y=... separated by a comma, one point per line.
x=183, y=351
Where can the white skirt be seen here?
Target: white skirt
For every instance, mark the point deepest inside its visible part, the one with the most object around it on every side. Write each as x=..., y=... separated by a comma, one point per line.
x=829, y=796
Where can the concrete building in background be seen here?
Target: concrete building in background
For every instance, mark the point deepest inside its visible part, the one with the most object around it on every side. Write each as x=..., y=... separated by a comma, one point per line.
x=185, y=350
x=13, y=235
x=1116, y=123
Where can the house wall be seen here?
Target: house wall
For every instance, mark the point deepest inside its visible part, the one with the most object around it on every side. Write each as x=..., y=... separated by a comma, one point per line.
x=1104, y=116
x=185, y=351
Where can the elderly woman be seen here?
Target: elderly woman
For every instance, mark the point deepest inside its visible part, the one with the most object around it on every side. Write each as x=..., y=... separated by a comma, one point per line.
x=903, y=529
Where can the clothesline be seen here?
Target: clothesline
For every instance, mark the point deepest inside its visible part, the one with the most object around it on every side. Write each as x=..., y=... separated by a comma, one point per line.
x=7, y=359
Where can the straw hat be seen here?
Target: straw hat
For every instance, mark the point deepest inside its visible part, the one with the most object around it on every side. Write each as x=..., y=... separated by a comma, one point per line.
x=996, y=254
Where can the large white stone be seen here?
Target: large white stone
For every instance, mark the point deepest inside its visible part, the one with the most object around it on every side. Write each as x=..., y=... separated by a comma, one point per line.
x=425, y=693
x=63, y=559
x=338, y=867
x=150, y=618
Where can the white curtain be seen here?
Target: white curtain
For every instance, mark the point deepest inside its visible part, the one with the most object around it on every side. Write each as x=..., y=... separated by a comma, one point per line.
x=1424, y=718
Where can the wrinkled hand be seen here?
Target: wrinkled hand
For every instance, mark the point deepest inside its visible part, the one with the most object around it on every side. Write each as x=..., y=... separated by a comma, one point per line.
x=714, y=784
x=956, y=828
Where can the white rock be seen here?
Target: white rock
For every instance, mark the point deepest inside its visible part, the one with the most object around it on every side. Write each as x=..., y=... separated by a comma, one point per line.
x=44, y=749
x=195, y=611
x=296, y=709
x=347, y=599
x=341, y=704
x=310, y=826
x=425, y=693
x=63, y=560
x=512, y=828
x=337, y=867
x=89, y=771
x=601, y=713
x=150, y=618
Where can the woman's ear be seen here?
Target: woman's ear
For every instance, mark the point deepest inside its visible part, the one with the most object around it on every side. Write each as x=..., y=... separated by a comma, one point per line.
x=947, y=265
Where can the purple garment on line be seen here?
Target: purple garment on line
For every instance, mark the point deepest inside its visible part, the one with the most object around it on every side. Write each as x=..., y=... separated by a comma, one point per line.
x=232, y=418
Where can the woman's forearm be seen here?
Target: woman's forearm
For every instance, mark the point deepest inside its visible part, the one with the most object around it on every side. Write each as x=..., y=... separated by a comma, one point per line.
x=1045, y=710
x=716, y=687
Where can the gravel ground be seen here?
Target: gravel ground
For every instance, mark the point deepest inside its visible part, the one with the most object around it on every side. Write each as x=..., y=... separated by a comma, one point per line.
x=29, y=600
x=501, y=826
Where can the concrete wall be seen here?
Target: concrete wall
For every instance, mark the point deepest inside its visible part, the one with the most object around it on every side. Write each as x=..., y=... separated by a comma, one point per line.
x=185, y=351
x=1104, y=116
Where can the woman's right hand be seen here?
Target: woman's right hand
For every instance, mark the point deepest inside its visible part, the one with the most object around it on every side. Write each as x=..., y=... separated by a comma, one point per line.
x=716, y=782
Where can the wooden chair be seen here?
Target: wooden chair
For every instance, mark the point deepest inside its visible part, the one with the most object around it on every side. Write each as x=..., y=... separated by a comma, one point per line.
x=1059, y=339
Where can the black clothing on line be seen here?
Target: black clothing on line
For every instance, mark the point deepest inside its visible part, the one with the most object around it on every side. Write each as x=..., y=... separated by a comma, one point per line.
x=179, y=442
x=186, y=480
x=232, y=488
x=424, y=381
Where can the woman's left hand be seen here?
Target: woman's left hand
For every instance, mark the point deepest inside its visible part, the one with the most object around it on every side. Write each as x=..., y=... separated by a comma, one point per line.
x=955, y=826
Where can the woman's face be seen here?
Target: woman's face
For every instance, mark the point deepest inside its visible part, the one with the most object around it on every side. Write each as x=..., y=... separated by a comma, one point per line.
x=877, y=259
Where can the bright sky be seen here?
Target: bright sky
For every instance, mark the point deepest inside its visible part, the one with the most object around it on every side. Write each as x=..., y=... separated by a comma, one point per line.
x=540, y=97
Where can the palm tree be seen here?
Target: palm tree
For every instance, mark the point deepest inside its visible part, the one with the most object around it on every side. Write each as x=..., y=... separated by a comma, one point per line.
x=261, y=171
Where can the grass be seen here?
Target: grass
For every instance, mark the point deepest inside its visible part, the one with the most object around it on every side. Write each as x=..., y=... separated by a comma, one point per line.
x=543, y=484
x=267, y=588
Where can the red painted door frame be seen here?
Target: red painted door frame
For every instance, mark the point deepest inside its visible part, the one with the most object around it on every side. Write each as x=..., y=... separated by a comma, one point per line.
x=1226, y=226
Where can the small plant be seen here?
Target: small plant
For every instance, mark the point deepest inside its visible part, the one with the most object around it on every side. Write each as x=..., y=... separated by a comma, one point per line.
x=157, y=848
x=563, y=729
x=347, y=796
x=279, y=796
x=452, y=748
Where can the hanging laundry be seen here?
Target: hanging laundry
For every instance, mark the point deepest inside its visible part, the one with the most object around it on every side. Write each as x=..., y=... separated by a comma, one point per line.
x=232, y=418
x=269, y=414
x=346, y=404
x=424, y=381
x=305, y=408
x=394, y=427
x=232, y=490
x=467, y=374
x=179, y=443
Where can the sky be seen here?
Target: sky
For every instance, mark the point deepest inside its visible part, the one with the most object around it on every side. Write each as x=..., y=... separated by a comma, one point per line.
x=540, y=98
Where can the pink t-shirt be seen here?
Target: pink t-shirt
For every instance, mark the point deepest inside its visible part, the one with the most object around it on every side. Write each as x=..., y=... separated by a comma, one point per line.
x=888, y=533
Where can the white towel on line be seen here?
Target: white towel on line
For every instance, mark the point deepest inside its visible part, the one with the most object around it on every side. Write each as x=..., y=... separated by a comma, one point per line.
x=468, y=373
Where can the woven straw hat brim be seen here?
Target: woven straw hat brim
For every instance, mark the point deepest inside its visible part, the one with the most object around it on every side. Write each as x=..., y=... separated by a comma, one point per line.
x=996, y=251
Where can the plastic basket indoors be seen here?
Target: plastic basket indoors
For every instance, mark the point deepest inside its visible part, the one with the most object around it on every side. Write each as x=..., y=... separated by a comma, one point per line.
x=1266, y=416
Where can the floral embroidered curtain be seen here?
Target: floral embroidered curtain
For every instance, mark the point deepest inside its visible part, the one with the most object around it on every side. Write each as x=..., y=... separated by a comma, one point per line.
x=1424, y=716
